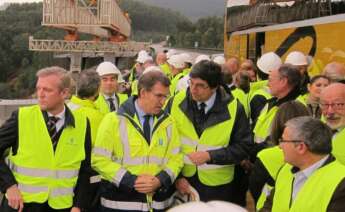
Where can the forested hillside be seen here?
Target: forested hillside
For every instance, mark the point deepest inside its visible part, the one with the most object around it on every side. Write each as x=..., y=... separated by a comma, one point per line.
x=18, y=65
x=193, y=9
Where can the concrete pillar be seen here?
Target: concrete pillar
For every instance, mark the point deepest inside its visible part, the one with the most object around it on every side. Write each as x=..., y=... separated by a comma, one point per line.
x=75, y=65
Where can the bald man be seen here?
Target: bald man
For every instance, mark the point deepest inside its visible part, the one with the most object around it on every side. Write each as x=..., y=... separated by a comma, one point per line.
x=335, y=71
x=232, y=65
x=333, y=109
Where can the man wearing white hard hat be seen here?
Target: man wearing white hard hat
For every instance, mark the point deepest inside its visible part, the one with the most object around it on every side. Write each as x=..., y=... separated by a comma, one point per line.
x=284, y=85
x=144, y=62
x=188, y=61
x=259, y=91
x=108, y=99
x=177, y=64
x=137, y=68
x=298, y=59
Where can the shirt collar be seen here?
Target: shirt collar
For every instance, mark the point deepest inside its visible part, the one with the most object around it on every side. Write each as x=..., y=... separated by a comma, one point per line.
x=140, y=112
x=61, y=115
x=311, y=169
x=107, y=97
x=210, y=102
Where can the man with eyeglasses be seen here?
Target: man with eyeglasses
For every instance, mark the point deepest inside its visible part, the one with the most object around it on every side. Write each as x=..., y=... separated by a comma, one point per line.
x=312, y=179
x=137, y=150
x=283, y=84
x=215, y=134
x=332, y=104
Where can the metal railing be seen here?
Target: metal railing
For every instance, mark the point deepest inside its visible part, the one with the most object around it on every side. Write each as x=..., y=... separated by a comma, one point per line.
x=120, y=49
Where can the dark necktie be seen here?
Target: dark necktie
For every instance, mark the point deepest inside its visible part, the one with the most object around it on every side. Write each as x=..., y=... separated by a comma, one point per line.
x=202, y=111
x=147, y=130
x=51, y=126
x=111, y=104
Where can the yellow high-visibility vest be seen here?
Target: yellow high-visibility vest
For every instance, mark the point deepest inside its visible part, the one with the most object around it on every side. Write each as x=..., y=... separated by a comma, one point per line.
x=314, y=195
x=212, y=138
x=42, y=174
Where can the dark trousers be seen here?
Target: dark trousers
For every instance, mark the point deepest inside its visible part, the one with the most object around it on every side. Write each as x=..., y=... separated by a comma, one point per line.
x=31, y=207
x=208, y=193
x=241, y=183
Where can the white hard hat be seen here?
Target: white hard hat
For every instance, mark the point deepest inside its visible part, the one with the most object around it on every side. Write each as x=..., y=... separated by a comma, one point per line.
x=296, y=58
x=212, y=206
x=152, y=68
x=171, y=52
x=109, y=68
x=177, y=61
x=201, y=58
x=268, y=62
x=142, y=53
x=144, y=58
x=186, y=58
x=220, y=60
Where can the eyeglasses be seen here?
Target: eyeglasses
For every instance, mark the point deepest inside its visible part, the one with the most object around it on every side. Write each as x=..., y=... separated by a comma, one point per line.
x=197, y=85
x=281, y=140
x=335, y=106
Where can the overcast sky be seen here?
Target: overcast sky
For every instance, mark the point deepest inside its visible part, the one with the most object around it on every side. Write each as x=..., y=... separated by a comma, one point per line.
x=18, y=1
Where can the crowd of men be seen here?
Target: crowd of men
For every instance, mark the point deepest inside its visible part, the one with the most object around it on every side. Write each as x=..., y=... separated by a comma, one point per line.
x=179, y=129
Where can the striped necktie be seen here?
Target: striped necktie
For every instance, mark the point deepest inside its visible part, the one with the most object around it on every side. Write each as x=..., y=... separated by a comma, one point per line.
x=51, y=126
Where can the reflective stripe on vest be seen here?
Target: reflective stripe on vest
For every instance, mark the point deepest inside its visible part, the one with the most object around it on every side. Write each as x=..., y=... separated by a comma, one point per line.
x=55, y=192
x=213, y=137
x=51, y=175
x=33, y=172
x=136, y=206
x=102, y=152
x=118, y=177
x=200, y=147
x=128, y=160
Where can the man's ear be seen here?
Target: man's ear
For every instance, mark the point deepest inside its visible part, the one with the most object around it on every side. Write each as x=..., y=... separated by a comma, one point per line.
x=66, y=93
x=142, y=92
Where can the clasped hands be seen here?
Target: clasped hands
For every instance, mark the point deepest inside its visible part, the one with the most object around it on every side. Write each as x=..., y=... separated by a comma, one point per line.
x=147, y=184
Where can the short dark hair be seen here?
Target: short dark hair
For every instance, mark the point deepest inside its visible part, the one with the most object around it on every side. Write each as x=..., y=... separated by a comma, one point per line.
x=316, y=135
x=88, y=84
x=208, y=71
x=149, y=79
x=286, y=111
x=292, y=74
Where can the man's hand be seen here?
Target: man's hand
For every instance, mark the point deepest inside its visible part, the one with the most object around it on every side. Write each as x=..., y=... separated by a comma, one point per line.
x=147, y=184
x=14, y=198
x=75, y=209
x=183, y=187
x=199, y=158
